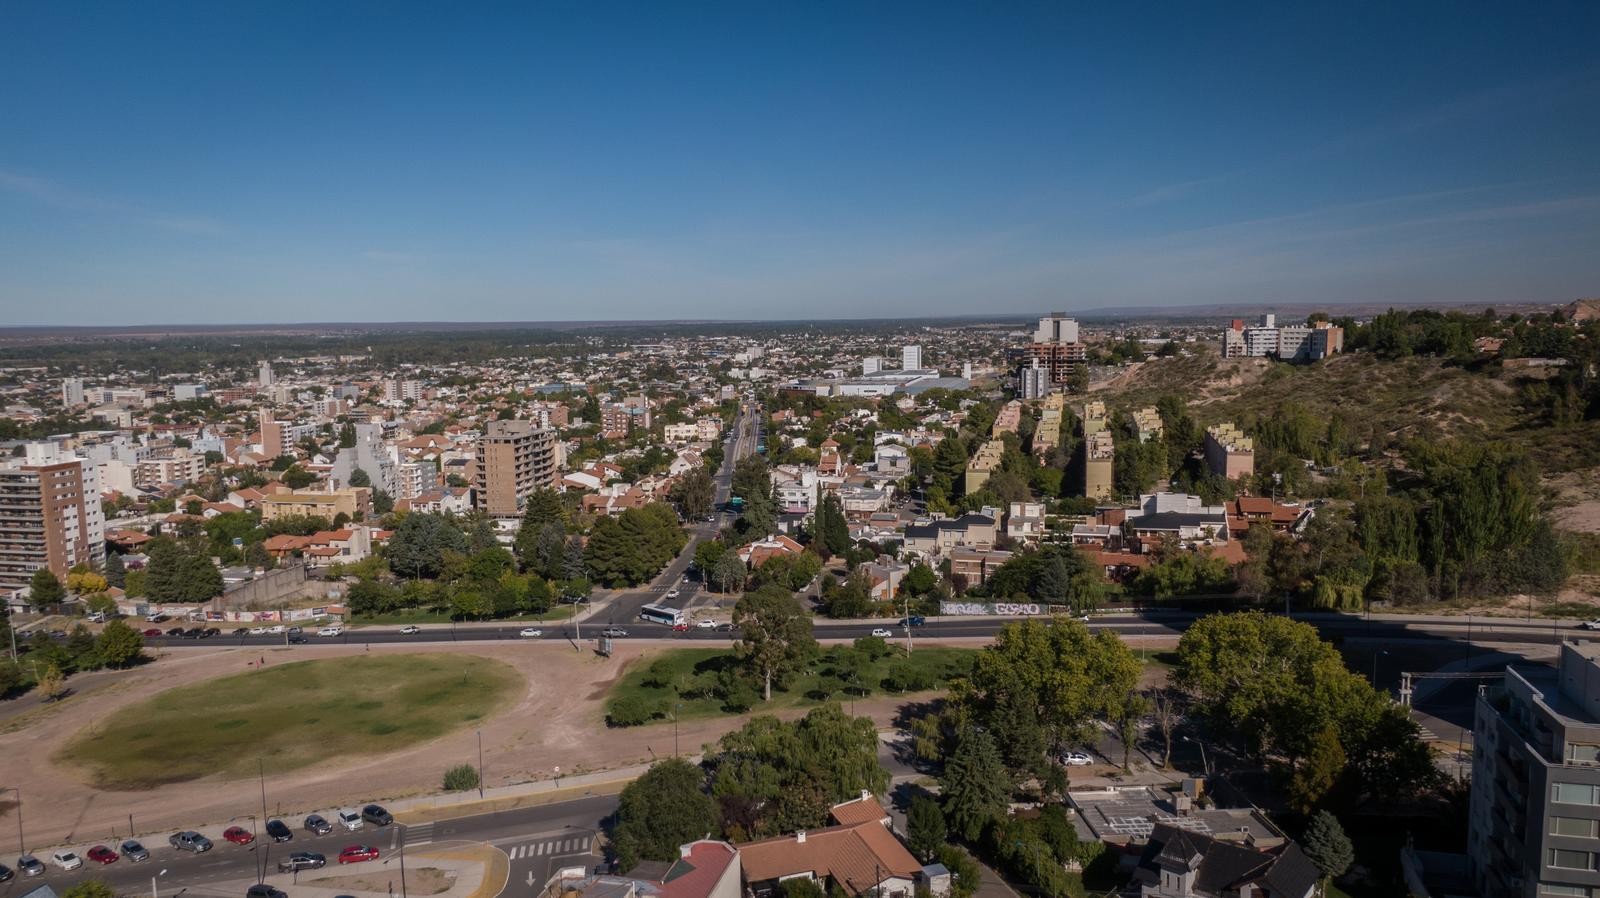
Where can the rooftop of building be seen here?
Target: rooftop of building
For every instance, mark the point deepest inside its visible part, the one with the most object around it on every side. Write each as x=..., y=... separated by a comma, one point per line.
x=1128, y=814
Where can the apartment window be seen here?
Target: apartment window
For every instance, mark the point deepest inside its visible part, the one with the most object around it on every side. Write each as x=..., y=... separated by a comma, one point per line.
x=1583, y=753
x=1568, y=859
x=1575, y=793
x=1573, y=826
x=1550, y=888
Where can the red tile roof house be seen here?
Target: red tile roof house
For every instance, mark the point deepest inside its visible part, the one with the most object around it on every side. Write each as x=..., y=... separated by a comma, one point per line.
x=860, y=855
x=703, y=869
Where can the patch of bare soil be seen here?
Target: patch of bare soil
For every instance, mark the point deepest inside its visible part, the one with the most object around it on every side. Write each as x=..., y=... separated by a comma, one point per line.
x=426, y=881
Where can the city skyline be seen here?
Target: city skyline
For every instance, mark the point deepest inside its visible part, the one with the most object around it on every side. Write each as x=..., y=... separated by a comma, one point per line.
x=292, y=163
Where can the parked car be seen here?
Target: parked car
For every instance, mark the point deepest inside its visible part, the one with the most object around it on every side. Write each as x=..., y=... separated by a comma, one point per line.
x=278, y=831
x=262, y=890
x=67, y=859
x=1590, y=624
x=613, y=632
x=680, y=627
x=209, y=632
x=95, y=617
x=6, y=873
x=882, y=631
x=358, y=853
x=275, y=629
x=410, y=630
x=189, y=840
x=531, y=633
x=376, y=815
x=100, y=854
x=302, y=860
x=30, y=866
x=175, y=631
x=154, y=618
x=153, y=631
x=133, y=851
x=331, y=631
x=349, y=818
x=318, y=825
x=1076, y=759
x=238, y=835
x=725, y=627
x=258, y=631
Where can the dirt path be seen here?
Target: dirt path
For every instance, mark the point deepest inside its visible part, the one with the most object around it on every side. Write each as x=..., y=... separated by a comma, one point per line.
x=557, y=721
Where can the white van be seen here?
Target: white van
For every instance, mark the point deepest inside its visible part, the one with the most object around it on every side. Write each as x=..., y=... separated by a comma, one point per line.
x=350, y=819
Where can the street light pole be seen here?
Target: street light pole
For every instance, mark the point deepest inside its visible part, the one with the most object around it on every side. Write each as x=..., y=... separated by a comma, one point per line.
x=1204, y=764
x=1376, y=655
x=480, y=763
x=21, y=843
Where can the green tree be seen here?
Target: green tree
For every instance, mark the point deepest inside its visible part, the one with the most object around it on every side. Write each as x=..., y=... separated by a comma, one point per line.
x=461, y=778
x=775, y=635
x=44, y=588
x=832, y=531
x=695, y=494
x=729, y=573
x=542, y=508
x=802, y=887
x=359, y=477
x=116, y=571
x=418, y=545
x=1326, y=844
x=52, y=682
x=661, y=810
x=925, y=828
x=93, y=888
x=119, y=645
x=975, y=787
x=777, y=776
x=1317, y=772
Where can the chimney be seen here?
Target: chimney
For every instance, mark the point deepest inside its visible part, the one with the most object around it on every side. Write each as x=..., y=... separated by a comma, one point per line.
x=865, y=794
x=800, y=837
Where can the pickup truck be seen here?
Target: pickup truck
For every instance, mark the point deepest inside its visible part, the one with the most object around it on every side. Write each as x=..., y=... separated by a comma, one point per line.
x=189, y=840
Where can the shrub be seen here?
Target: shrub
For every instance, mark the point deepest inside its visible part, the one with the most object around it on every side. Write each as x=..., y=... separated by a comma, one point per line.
x=460, y=778
x=632, y=711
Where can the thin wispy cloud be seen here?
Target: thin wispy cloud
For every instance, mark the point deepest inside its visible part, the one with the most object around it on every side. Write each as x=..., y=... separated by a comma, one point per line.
x=52, y=194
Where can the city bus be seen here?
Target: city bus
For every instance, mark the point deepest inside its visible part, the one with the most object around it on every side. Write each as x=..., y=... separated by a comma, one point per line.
x=663, y=614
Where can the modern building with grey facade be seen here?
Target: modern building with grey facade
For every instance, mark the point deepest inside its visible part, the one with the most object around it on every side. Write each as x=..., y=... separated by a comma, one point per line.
x=1535, y=819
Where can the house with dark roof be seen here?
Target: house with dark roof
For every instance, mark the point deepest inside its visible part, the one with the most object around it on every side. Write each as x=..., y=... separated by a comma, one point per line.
x=971, y=529
x=1178, y=863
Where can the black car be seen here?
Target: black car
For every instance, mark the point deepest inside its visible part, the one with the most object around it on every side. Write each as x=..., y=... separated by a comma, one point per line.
x=376, y=815
x=6, y=873
x=242, y=631
x=302, y=860
x=193, y=632
x=175, y=631
x=209, y=632
x=318, y=825
x=262, y=890
x=278, y=831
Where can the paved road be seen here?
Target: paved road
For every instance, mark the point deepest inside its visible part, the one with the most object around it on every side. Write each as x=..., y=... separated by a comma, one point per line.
x=538, y=840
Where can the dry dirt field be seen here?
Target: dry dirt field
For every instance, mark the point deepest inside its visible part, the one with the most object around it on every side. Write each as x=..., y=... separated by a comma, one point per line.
x=556, y=722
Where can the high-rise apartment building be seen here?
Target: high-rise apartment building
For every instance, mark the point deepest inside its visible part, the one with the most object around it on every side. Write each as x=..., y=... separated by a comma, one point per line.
x=50, y=515
x=72, y=392
x=1056, y=349
x=265, y=378
x=275, y=439
x=911, y=358
x=1534, y=825
x=1290, y=342
x=1098, y=451
x=1056, y=328
x=370, y=454
x=514, y=459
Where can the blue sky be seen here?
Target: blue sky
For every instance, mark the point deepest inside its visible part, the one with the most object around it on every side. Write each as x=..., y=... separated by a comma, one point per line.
x=239, y=162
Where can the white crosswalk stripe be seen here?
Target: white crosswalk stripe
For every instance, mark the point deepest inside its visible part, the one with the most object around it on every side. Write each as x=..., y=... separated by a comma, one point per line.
x=550, y=847
x=420, y=834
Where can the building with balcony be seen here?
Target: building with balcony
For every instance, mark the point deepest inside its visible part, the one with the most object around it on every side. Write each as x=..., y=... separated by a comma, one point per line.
x=50, y=515
x=514, y=459
x=1098, y=451
x=1534, y=824
x=1229, y=453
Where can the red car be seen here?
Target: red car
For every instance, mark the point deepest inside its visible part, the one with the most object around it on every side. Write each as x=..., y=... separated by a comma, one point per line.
x=152, y=632
x=680, y=628
x=102, y=854
x=358, y=853
x=238, y=835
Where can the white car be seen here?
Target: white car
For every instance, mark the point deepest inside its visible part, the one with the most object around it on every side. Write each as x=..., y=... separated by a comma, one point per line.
x=672, y=593
x=1590, y=624
x=331, y=631
x=531, y=633
x=350, y=819
x=275, y=629
x=883, y=632
x=66, y=859
x=707, y=624
x=410, y=630
x=1076, y=759
x=258, y=631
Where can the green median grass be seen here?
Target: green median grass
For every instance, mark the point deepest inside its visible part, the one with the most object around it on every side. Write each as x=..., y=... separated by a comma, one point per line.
x=694, y=670
x=290, y=716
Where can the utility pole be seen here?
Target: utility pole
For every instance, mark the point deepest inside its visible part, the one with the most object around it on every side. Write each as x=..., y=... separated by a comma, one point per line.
x=480, y=763
x=21, y=843
x=908, y=624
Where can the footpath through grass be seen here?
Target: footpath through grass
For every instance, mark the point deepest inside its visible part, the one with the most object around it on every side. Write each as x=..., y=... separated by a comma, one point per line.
x=698, y=681
x=291, y=715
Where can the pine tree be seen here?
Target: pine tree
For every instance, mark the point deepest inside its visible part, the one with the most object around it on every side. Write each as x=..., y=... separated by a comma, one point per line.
x=116, y=571
x=44, y=588
x=925, y=828
x=1327, y=846
x=976, y=790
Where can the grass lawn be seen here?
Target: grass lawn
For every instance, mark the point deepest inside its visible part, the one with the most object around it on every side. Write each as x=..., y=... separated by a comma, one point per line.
x=425, y=616
x=292, y=715
x=702, y=665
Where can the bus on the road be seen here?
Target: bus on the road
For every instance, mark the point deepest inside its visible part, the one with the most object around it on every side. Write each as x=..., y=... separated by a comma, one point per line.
x=663, y=614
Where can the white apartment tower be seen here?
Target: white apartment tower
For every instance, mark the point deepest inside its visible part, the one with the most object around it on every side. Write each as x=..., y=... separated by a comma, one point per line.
x=72, y=392
x=911, y=358
x=265, y=378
